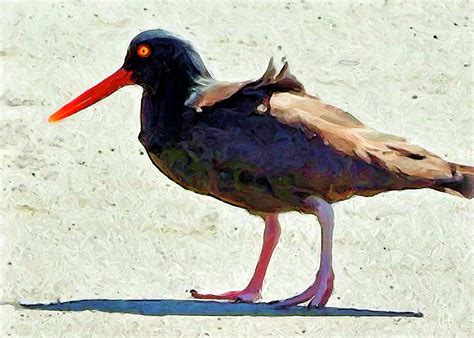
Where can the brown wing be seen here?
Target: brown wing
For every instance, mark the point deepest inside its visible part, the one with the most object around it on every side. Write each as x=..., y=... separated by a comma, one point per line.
x=349, y=136
x=292, y=106
x=210, y=91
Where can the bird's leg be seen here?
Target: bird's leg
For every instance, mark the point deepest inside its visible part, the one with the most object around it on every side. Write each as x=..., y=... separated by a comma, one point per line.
x=252, y=292
x=320, y=291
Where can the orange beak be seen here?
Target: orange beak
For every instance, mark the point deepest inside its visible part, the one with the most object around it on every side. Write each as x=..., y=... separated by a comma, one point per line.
x=100, y=91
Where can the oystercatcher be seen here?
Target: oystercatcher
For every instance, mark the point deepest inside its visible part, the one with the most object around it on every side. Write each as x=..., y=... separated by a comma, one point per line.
x=264, y=145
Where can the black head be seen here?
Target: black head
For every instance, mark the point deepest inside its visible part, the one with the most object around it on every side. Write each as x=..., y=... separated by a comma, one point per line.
x=156, y=59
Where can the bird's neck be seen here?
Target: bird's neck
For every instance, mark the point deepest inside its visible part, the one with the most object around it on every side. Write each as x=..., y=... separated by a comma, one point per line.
x=162, y=111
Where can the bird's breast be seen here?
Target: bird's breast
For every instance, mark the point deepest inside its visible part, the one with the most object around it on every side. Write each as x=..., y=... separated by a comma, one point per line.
x=234, y=183
x=231, y=164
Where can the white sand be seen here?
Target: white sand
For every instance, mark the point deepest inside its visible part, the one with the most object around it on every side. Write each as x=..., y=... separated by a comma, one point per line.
x=82, y=224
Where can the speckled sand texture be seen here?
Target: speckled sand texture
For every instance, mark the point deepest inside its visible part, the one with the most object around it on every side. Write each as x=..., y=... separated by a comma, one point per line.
x=86, y=214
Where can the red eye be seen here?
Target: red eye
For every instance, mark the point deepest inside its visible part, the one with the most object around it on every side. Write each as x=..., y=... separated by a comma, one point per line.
x=143, y=51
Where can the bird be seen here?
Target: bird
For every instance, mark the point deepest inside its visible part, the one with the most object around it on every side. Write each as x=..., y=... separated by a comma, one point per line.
x=264, y=145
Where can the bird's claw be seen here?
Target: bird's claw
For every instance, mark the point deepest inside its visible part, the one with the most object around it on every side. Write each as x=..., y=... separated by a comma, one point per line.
x=318, y=293
x=243, y=296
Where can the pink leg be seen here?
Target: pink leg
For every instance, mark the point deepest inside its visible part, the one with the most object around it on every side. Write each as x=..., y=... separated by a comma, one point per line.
x=320, y=291
x=252, y=292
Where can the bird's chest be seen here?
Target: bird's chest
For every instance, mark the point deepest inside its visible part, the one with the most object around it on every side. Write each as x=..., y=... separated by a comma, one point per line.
x=203, y=168
x=190, y=169
x=231, y=160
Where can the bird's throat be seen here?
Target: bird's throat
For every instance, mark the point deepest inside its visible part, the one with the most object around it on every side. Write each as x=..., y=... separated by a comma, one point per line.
x=161, y=119
x=162, y=110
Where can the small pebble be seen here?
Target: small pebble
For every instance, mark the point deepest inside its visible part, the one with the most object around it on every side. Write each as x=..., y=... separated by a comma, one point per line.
x=348, y=62
x=414, y=97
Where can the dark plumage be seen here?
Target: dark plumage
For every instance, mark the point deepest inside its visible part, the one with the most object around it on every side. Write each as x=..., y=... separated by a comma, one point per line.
x=264, y=145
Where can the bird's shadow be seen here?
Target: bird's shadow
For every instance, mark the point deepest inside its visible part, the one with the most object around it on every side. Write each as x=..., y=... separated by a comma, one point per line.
x=174, y=307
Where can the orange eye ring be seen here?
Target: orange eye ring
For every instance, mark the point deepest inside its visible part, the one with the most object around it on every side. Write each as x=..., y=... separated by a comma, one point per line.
x=143, y=51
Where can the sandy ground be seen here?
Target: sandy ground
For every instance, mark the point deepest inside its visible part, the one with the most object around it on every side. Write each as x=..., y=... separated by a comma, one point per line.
x=86, y=215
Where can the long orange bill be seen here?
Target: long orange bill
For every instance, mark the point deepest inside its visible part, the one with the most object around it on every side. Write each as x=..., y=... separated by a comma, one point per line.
x=100, y=91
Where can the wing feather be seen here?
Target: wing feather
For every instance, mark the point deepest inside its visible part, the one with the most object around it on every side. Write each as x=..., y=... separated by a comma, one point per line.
x=348, y=135
x=292, y=106
x=209, y=91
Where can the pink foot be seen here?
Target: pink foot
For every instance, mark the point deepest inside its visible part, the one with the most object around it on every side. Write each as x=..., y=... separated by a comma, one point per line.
x=319, y=292
x=245, y=296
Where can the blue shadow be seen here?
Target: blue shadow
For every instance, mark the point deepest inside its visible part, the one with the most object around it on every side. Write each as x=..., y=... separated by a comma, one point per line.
x=170, y=307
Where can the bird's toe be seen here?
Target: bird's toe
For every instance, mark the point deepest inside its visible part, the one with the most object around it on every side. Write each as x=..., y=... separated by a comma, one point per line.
x=243, y=296
x=323, y=291
x=248, y=297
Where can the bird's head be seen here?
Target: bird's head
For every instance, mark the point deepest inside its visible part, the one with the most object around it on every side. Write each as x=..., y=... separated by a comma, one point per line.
x=155, y=59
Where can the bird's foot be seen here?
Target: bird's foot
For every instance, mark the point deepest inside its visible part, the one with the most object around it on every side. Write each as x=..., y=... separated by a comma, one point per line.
x=319, y=292
x=245, y=296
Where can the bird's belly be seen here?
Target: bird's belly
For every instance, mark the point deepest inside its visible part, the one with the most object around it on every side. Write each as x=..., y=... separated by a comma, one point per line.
x=236, y=186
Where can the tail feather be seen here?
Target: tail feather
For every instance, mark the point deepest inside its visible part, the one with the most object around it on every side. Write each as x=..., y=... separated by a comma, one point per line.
x=463, y=183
